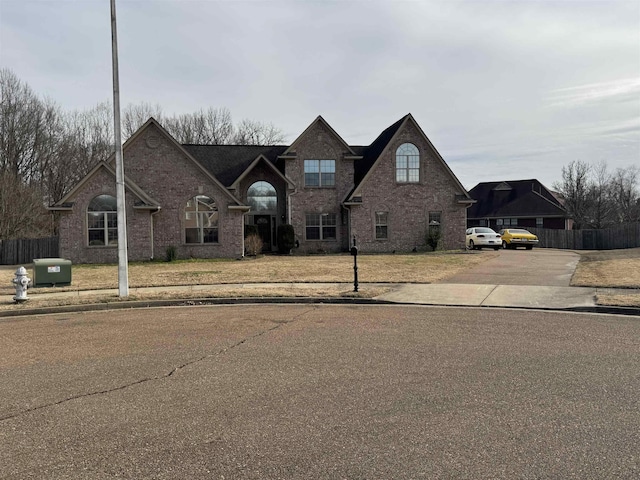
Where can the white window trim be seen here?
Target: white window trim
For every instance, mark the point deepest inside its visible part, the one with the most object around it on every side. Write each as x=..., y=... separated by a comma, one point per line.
x=321, y=227
x=408, y=169
x=319, y=172
x=385, y=224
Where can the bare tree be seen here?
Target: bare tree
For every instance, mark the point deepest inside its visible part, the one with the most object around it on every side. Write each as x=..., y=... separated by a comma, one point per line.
x=251, y=132
x=25, y=128
x=212, y=126
x=26, y=218
x=625, y=193
x=134, y=116
x=575, y=191
x=596, y=198
x=600, y=213
x=84, y=138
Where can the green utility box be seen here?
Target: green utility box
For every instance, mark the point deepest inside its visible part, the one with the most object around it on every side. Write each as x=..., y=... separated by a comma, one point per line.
x=51, y=272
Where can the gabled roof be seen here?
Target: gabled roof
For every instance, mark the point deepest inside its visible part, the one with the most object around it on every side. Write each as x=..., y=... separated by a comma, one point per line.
x=228, y=162
x=372, y=154
x=513, y=198
x=62, y=204
x=226, y=165
x=319, y=119
x=185, y=152
x=145, y=201
x=270, y=165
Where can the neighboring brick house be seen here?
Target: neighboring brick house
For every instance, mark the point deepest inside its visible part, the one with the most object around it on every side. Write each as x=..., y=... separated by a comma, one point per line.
x=521, y=203
x=198, y=198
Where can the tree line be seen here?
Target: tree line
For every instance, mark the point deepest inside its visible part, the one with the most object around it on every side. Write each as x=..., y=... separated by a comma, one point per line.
x=596, y=197
x=45, y=150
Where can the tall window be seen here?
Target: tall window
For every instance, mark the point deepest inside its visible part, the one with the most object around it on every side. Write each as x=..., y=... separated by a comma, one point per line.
x=382, y=225
x=321, y=226
x=407, y=164
x=201, y=220
x=102, y=221
x=435, y=219
x=319, y=173
x=262, y=197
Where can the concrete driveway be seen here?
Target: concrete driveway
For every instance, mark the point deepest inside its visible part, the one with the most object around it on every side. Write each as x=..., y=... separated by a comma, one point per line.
x=319, y=392
x=537, y=278
x=540, y=266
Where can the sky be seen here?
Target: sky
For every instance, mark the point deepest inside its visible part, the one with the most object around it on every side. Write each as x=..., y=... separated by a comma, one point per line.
x=505, y=90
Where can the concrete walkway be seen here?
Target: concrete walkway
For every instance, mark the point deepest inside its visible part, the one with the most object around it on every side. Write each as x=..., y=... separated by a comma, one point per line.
x=454, y=294
x=523, y=296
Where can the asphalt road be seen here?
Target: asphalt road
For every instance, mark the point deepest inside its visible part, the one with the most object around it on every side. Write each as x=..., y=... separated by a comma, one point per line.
x=540, y=266
x=320, y=391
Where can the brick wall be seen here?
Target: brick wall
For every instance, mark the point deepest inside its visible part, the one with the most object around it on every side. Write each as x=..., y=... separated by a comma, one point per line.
x=319, y=143
x=160, y=168
x=157, y=166
x=73, y=226
x=408, y=205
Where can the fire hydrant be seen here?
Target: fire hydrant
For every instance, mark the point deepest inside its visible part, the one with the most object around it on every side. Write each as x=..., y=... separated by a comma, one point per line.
x=21, y=282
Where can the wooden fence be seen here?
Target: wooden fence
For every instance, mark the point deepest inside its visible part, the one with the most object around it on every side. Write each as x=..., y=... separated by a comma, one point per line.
x=23, y=251
x=619, y=236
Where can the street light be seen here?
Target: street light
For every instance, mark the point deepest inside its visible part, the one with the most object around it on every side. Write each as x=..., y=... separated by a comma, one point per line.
x=123, y=268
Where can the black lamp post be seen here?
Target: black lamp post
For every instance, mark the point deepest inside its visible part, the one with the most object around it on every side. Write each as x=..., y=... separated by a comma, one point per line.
x=354, y=252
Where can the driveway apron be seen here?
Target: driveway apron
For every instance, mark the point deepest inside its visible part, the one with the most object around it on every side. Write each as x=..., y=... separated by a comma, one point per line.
x=541, y=267
x=536, y=278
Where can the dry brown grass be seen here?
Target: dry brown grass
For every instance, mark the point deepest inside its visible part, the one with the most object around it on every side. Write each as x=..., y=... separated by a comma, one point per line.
x=420, y=268
x=220, y=291
x=609, y=268
x=622, y=300
x=401, y=268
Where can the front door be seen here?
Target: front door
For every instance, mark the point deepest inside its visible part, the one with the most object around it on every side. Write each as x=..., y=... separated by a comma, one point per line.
x=263, y=222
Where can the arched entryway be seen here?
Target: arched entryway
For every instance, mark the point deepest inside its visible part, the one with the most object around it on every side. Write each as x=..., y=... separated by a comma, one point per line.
x=263, y=199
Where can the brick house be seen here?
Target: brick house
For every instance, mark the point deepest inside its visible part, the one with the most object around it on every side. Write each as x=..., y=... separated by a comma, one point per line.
x=521, y=203
x=198, y=198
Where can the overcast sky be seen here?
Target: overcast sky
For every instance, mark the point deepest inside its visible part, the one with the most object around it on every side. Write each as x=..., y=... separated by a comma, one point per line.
x=505, y=90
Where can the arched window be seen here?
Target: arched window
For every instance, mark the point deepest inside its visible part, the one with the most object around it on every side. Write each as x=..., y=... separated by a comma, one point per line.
x=102, y=221
x=201, y=220
x=262, y=197
x=407, y=163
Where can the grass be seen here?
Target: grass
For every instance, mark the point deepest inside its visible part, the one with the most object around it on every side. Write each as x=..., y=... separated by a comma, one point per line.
x=611, y=269
x=602, y=269
x=314, y=269
x=419, y=268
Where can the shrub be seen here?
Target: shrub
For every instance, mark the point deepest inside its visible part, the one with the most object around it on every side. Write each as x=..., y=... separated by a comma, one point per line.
x=253, y=245
x=433, y=238
x=286, y=238
x=171, y=253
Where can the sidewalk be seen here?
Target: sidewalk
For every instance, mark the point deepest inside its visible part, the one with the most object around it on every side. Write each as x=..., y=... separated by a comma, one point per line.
x=469, y=295
x=494, y=296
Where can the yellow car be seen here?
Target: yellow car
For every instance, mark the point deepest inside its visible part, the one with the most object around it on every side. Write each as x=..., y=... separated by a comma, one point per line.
x=518, y=237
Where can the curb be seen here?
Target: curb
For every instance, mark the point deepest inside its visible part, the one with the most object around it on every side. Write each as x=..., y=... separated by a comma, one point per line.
x=194, y=302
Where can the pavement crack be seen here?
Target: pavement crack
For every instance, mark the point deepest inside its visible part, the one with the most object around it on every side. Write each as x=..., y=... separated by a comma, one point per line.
x=157, y=377
x=489, y=294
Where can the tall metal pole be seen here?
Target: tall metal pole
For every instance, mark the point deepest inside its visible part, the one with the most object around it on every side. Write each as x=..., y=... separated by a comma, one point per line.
x=123, y=266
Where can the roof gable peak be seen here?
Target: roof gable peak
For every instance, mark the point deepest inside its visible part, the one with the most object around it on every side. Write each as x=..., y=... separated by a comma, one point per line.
x=502, y=186
x=323, y=122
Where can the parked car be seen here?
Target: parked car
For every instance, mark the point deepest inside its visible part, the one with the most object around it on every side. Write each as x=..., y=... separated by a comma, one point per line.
x=478, y=237
x=518, y=237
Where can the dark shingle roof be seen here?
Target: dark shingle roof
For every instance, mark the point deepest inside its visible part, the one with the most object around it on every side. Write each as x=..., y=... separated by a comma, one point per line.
x=228, y=162
x=523, y=198
x=371, y=153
